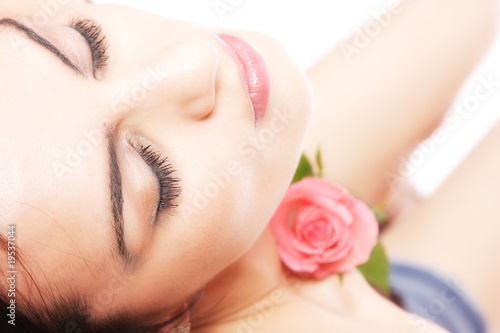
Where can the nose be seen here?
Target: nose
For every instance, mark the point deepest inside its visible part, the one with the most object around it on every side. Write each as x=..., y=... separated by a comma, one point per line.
x=185, y=80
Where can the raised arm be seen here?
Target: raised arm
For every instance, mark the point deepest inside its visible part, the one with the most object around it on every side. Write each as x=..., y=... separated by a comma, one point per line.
x=388, y=86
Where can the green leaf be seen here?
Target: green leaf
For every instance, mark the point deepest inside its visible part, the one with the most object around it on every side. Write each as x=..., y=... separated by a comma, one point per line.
x=380, y=214
x=376, y=270
x=304, y=169
x=319, y=162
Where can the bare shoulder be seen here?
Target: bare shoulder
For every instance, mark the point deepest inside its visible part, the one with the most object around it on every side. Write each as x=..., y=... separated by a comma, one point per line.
x=330, y=305
x=354, y=306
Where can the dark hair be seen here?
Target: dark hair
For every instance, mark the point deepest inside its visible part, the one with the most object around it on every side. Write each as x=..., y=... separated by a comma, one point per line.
x=72, y=316
x=62, y=318
x=67, y=315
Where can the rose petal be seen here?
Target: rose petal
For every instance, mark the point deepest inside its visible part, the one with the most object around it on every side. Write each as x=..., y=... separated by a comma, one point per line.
x=306, y=215
x=334, y=207
x=315, y=233
x=298, y=264
x=321, y=229
x=339, y=250
x=305, y=248
x=335, y=230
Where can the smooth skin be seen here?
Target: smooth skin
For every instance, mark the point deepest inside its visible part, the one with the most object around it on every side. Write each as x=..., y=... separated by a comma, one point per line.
x=181, y=92
x=417, y=74
x=377, y=106
x=388, y=91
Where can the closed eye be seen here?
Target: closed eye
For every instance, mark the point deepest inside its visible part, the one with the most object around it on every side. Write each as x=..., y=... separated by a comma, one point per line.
x=35, y=37
x=92, y=33
x=169, y=188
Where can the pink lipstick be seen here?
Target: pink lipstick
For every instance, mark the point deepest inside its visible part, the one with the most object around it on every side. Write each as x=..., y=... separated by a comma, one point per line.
x=255, y=72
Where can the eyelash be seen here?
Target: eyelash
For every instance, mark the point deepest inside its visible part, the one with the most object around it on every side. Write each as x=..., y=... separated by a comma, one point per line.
x=92, y=32
x=169, y=184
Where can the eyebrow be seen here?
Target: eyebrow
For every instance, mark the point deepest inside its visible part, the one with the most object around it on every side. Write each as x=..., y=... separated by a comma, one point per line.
x=31, y=34
x=115, y=186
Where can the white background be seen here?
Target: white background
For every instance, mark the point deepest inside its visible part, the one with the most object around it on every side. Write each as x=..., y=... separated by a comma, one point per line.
x=309, y=29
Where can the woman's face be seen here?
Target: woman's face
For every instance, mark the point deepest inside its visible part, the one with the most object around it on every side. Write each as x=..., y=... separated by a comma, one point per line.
x=137, y=186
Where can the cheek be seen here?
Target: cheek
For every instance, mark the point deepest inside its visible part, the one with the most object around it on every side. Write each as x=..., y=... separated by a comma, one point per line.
x=195, y=243
x=224, y=202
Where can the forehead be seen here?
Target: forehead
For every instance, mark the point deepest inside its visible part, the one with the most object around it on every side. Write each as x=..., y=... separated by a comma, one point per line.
x=59, y=239
x=61, y=223
x=37, y=7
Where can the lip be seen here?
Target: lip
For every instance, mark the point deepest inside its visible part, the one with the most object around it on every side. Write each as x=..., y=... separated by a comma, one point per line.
x=255, y=71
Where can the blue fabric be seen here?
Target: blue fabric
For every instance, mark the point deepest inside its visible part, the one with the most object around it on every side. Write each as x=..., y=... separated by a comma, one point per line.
x=435, y=298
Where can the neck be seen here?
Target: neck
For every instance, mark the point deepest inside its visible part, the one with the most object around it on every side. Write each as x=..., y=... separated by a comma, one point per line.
x=236, y=291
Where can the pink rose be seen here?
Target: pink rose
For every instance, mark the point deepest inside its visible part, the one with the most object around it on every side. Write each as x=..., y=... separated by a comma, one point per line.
x=321, y=229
